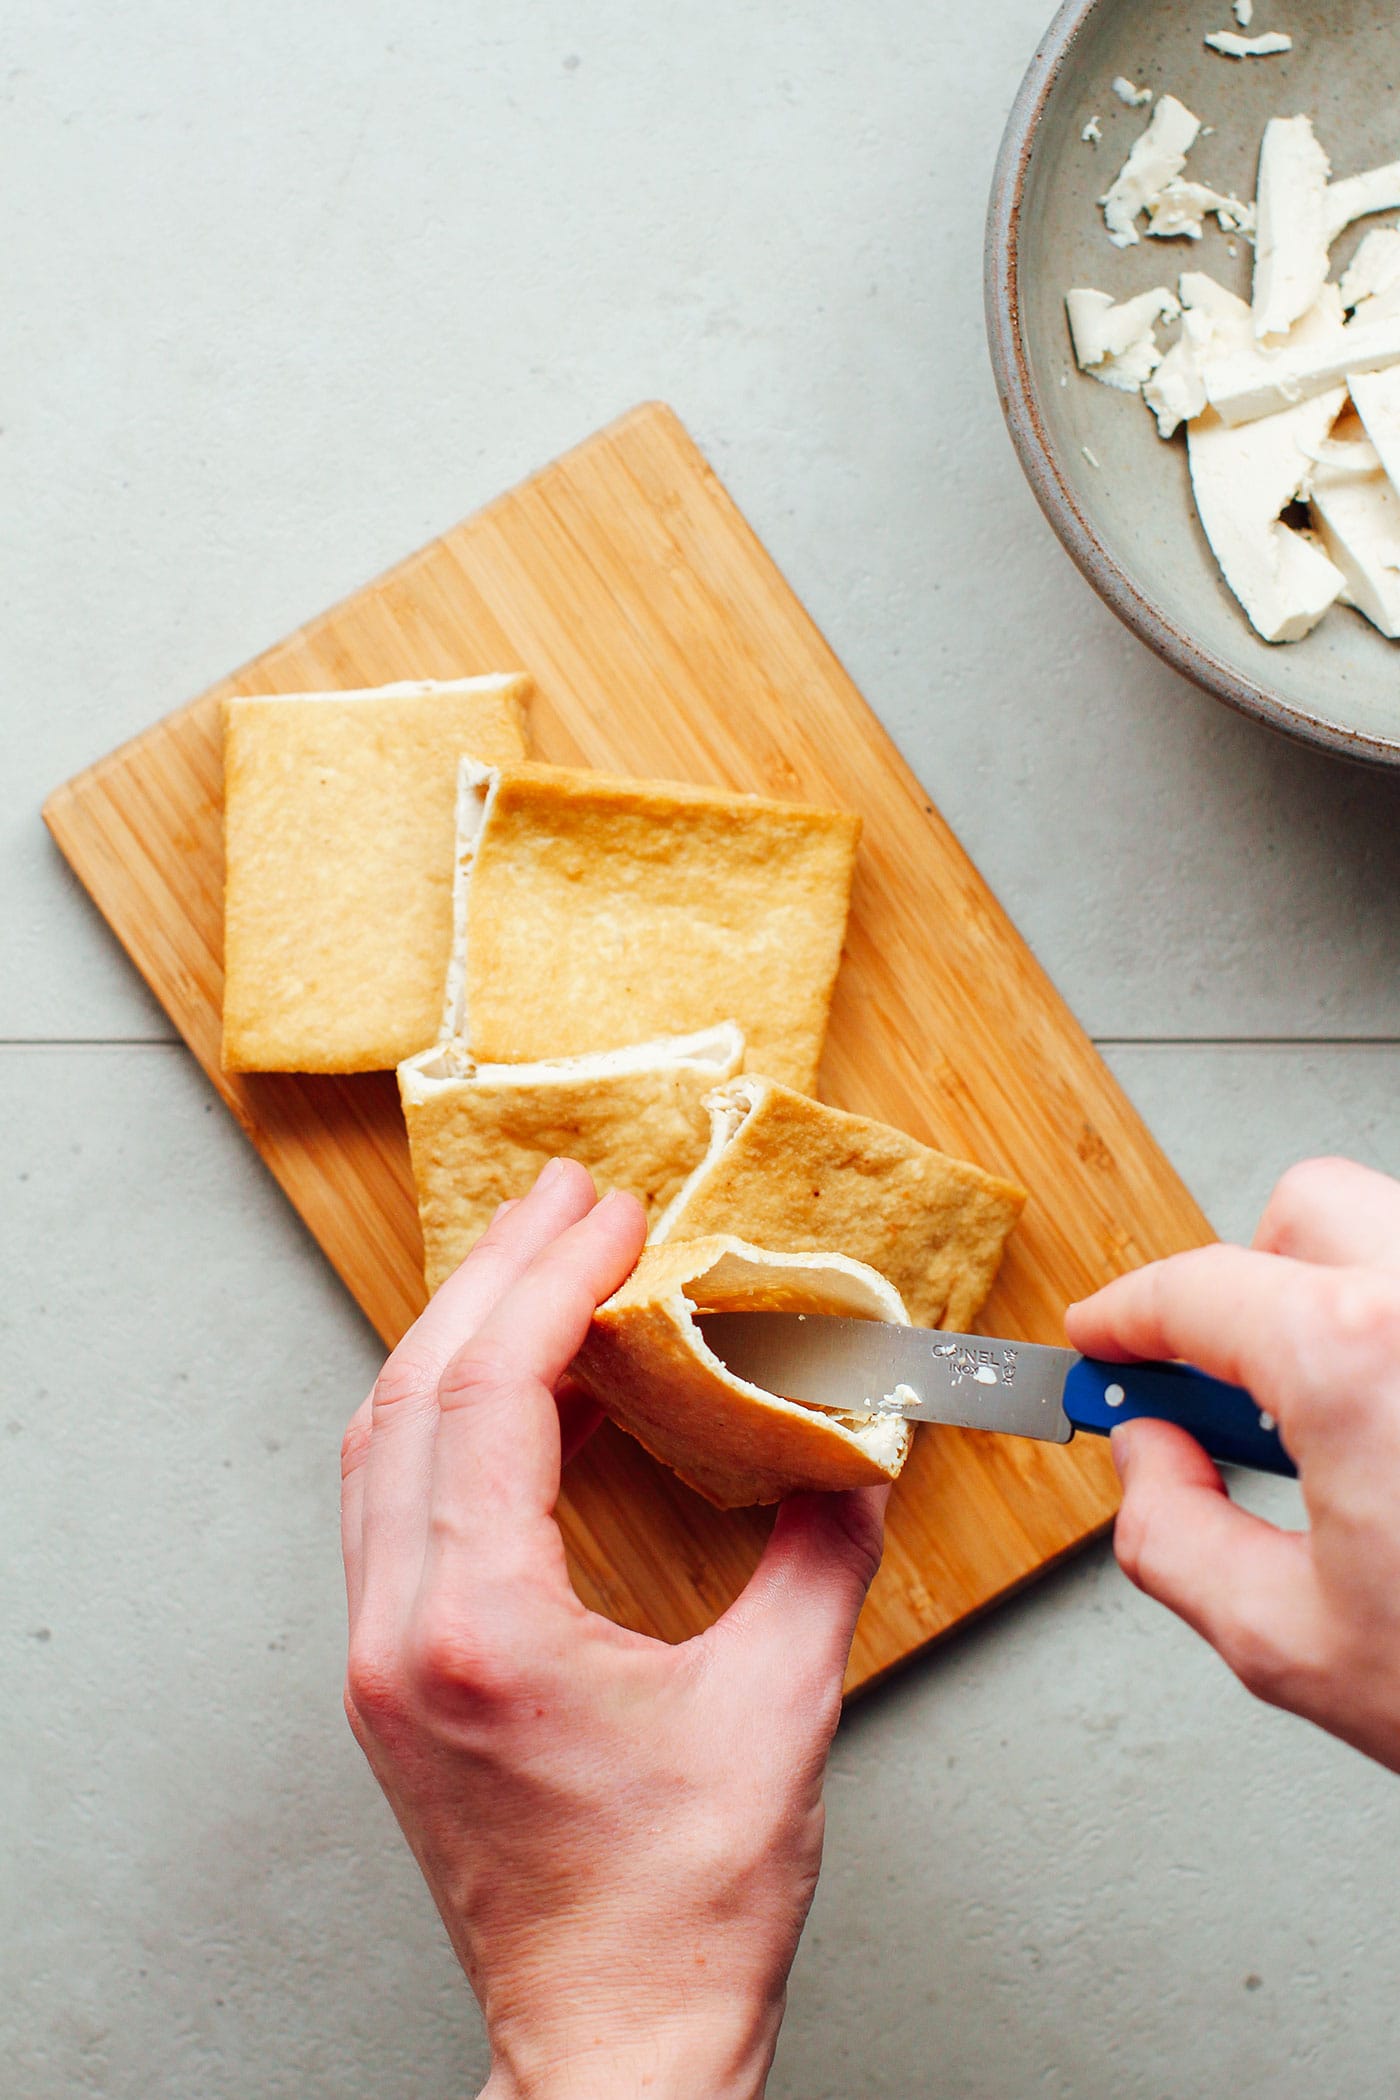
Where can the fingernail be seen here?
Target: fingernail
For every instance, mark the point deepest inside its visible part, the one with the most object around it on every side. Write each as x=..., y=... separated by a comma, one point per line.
x=503, y=1210
x=550, y=1174
x=1120, y=1447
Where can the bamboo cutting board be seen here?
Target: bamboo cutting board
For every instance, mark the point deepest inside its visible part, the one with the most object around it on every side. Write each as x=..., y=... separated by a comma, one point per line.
x=663, y=642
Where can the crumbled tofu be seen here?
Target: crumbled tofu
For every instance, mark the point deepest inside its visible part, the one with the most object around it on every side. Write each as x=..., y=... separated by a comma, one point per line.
x=1131, y=97
x=1118, y=343
x=1358, y=196
x=1260, y=388
x=1261, y=383
x=1157, y=158
x=1230, y=318
x=1283, y=581
x=1358, y=519
x=1290, y=250
x=1347, y=455
x=1092, y=133
x=1375, y=269
x=1177, y=389
x=1243, y=480
x=1213, y=322
x=1183, y=207
x=1376, y=398
x=1231, y=45
x=1244, y=12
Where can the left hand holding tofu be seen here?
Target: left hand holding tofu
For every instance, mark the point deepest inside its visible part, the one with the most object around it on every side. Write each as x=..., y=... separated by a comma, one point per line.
x=622, y=1837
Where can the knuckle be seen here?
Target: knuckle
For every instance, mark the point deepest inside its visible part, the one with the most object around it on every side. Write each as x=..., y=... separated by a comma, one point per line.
x=374, y=1692
x=1161, y=1287
x=493, y=1232
x=473, y=1374
x=1358, y=1314
x=1215, y=1254
x=453, y=1663
x=407, y=1375
x=1199, y=1268
x=354, y=1445
x=1295, y=1200
x=863, y=1536
x=491, y=1244
x=559, y=1282
x=356, y=1719
x=566, y=1280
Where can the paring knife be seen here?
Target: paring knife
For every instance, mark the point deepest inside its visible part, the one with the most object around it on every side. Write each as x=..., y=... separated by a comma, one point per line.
x=866, y=1367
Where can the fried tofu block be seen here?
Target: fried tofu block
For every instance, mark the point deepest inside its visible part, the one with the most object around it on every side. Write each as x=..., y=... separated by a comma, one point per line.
x=479, y=1134
x=789, y=1173
x=646, y=1362
x=339, y=827
x=595, y=911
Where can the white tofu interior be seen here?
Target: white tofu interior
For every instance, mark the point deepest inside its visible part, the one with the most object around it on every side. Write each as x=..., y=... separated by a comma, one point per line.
x=476, y=791
x=730, y=1108
x=736, y=1282
x=714, y=1050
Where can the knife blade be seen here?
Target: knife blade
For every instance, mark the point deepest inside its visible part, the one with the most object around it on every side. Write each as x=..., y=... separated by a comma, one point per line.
x=973, y=1381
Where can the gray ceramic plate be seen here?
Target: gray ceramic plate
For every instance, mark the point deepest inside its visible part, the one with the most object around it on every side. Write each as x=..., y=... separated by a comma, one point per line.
x=1129, y=521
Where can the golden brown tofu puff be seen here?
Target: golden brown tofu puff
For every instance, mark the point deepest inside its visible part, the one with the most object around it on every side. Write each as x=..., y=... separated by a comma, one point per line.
x=479, y=1134
x=339, y=830
x=789, y=1173
x=647, y=1364
x=595, y=911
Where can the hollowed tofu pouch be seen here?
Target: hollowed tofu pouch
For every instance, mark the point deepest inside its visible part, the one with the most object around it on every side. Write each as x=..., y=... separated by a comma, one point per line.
x=593, y=911
x=479, y=1134
x=789, y=1173
x=339, y=827
x=647, y=1364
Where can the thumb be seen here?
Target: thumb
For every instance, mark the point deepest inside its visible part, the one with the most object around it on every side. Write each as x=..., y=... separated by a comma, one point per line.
x=1243, y=1585
x=797, y=1615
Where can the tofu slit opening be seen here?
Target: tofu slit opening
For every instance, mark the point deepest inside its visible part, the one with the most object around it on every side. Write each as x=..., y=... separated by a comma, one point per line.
x=730, y=1108
x=476, y=791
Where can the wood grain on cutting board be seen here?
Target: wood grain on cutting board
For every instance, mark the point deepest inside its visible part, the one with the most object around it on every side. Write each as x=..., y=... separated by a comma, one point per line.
x=664, y=642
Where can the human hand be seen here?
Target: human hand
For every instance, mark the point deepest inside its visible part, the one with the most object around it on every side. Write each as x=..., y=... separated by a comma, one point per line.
x=1309, y=1321
x=622, y=1837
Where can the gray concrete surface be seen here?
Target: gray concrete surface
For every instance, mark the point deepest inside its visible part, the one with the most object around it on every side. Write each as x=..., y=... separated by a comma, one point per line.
x=288, y=289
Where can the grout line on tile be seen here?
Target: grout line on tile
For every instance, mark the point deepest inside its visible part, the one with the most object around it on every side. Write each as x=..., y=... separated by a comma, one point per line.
x=90, y=1042
x=1247, y=1042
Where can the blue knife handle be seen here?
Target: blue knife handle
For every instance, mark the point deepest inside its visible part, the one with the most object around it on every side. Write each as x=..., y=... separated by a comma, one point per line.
x=1224, y=1419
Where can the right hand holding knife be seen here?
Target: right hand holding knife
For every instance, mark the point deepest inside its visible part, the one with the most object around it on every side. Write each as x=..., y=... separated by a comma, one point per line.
x=1308, y=1319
